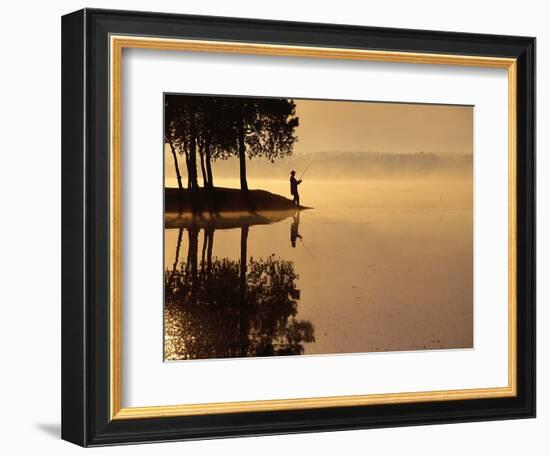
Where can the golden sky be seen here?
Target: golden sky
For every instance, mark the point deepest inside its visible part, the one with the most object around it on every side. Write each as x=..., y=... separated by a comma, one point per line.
x=383, y=127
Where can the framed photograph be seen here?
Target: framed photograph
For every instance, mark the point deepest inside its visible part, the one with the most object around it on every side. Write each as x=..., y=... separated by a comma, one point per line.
x=278, y=227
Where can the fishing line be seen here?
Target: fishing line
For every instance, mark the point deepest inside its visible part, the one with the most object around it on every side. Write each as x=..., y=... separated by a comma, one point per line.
x=306, y=168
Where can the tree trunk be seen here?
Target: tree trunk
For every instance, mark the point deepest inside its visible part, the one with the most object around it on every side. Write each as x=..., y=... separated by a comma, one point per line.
x=188, y=169
x=193, y=156
x=178, y=174
x=203, y=169
x=209, y=165
x=242, y=159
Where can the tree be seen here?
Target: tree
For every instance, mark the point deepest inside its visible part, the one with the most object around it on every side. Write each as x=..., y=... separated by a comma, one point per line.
x=171, y=133
x=215, y=134
x=180, y=132
x=263, y=127
x=221, y=127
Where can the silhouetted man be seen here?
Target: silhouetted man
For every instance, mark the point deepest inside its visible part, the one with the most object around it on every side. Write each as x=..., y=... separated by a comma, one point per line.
x=294, y=188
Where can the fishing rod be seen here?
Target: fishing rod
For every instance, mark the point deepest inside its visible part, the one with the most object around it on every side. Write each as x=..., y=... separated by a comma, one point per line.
x=306, y=168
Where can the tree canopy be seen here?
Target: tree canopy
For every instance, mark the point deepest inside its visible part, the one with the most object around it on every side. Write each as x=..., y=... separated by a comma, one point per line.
x=213, y=128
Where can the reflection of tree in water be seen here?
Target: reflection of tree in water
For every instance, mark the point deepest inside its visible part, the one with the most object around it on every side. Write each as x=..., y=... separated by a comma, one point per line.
x=221, y=308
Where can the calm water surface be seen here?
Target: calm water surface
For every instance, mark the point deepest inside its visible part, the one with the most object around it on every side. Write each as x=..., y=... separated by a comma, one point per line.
x=377, y=265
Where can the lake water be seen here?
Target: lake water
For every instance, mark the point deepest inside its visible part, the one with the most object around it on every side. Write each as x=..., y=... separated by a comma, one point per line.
x=375, y=265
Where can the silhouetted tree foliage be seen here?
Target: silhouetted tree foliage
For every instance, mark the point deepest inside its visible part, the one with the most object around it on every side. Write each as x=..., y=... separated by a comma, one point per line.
x=180, y=133
x=172, y=134
x=215, y=128
x=208, y=313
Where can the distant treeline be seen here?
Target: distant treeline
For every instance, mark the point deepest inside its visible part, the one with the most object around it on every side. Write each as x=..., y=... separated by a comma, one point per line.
x=355, y=165
x=200, y=130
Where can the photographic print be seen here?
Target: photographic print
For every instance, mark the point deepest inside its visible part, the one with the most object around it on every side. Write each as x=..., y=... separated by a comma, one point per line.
x=315, y=227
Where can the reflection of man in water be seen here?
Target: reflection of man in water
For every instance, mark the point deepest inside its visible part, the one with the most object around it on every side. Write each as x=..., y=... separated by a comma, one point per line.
x=294, y=228
x=294, y=188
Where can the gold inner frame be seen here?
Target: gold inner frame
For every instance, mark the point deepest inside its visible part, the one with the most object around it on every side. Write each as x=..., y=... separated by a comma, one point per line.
x=117, y=44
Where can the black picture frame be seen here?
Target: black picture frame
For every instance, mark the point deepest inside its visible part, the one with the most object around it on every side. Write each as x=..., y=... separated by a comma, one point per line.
x=85, y=227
